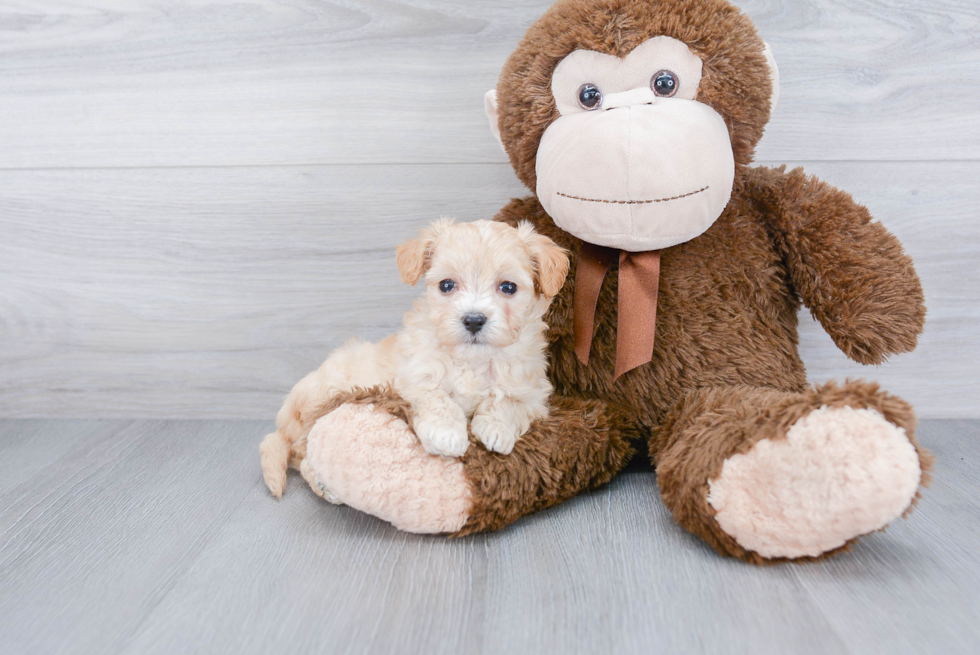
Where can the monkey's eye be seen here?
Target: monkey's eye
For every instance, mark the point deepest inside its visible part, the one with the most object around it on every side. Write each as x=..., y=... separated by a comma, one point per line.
x=508, y=287
x=589, y=96
x=664, y=83
x=447, y=286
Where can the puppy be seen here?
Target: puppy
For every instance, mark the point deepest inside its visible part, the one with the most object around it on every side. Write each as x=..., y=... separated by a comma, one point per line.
x=473, y=347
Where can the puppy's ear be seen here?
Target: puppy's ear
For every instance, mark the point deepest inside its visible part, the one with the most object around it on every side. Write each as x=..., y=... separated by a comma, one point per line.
x=415, y=257
x=550, y=260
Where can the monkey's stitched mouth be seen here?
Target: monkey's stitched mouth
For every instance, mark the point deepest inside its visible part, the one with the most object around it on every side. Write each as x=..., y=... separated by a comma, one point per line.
x=632, y=202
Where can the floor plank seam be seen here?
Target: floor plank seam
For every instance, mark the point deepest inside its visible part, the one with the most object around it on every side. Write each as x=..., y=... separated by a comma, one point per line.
x=187, y=562
x=347, y=165
x=77, y=478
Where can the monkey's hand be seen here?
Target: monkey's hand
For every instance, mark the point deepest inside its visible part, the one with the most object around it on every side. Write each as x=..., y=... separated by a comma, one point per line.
x=851, y=272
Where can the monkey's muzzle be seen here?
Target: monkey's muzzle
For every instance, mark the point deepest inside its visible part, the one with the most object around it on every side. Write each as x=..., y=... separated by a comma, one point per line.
x=637, y=177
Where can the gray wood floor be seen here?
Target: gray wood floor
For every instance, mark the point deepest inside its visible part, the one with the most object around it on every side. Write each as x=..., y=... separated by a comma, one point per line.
x=158, y=537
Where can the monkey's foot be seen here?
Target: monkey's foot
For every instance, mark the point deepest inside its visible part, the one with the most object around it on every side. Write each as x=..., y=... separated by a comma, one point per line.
x=366, y=458
x=839, y=473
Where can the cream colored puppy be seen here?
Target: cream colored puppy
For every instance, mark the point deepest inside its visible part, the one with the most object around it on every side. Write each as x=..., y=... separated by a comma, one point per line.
x=472, y=348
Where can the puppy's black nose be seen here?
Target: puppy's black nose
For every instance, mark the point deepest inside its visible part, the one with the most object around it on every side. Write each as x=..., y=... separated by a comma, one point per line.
x=474, y=322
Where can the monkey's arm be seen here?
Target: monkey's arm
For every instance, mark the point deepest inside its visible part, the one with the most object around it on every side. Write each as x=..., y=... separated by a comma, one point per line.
x=851, y=272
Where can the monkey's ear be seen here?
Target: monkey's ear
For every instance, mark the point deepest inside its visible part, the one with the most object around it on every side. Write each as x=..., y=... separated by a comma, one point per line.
x=414, y=257
x=550, y=260
x=774, y=76
x=490, y=104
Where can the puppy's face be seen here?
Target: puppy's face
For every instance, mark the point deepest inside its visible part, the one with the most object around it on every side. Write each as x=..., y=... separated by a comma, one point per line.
x=485, y=281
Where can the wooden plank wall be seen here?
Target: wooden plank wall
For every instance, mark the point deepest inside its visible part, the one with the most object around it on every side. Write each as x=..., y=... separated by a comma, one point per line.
x=198, y=200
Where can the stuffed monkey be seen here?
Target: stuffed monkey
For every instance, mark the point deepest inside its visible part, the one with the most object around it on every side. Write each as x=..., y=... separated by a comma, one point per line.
x=634, y=123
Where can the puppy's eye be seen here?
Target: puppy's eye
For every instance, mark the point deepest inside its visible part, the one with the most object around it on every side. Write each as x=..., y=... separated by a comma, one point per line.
x=508, y=287
x=589, y=97
x=446, y=286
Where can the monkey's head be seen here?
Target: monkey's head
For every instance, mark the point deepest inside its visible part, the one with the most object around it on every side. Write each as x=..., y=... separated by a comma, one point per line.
x=628, y=117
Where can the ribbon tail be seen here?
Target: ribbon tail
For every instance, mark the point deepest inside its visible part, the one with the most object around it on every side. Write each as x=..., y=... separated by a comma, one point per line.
x=590, y=271
x=636, y=323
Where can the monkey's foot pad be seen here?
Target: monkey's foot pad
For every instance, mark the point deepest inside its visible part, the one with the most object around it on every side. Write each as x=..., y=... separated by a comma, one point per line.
x=372, y=461
x=839, y=473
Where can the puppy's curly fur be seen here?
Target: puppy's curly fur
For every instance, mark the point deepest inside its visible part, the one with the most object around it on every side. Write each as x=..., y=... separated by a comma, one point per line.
x=472, y=348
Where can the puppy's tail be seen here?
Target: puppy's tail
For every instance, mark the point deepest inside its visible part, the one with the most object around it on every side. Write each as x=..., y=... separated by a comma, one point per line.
x=275, y=461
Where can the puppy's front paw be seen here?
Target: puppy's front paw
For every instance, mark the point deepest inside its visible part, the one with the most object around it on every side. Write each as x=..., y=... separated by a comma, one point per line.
x=496, y=433
x=447, y=438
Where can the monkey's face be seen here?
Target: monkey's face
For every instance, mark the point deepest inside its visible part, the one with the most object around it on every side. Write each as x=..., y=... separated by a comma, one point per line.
x=634, y=162
x=629, y=135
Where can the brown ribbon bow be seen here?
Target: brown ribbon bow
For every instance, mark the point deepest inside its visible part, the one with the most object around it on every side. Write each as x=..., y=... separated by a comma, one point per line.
x=639, y=279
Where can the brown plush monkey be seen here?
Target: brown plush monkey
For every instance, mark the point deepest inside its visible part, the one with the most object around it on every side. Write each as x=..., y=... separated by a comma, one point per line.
x=635, y=121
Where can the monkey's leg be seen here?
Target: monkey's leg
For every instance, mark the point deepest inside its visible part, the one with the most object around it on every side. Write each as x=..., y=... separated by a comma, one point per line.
x=364, y=454
x=767, y=475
